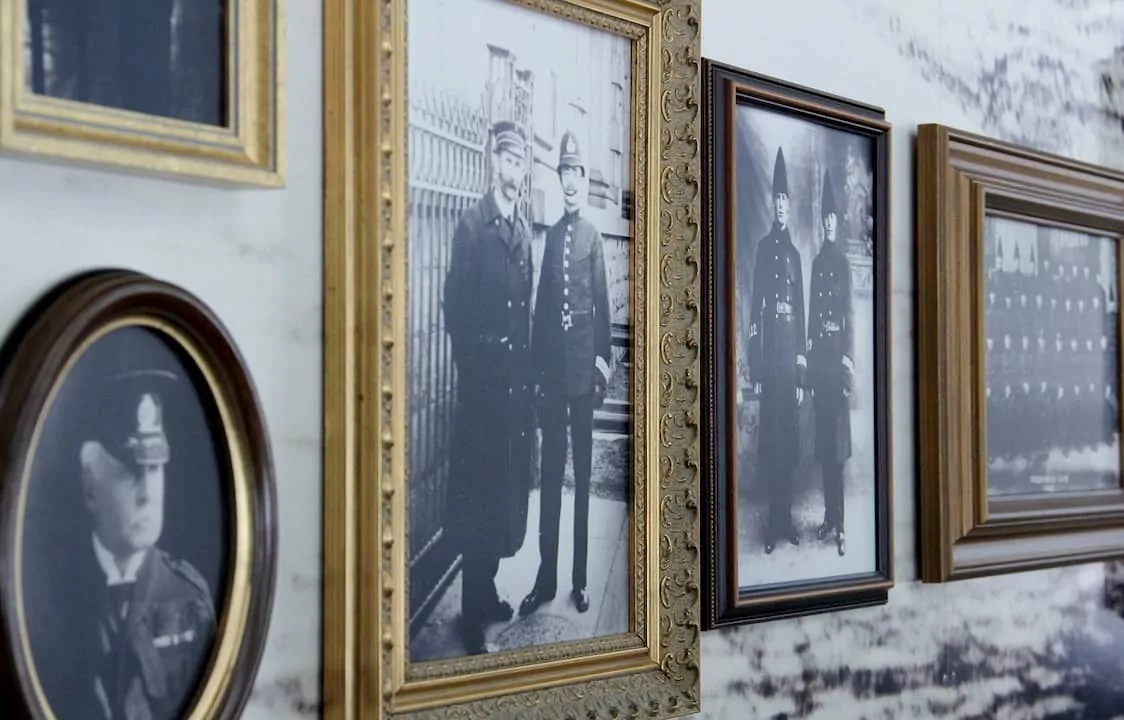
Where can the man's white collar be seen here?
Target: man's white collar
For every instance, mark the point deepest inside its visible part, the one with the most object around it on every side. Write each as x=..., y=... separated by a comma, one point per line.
x=113, y=575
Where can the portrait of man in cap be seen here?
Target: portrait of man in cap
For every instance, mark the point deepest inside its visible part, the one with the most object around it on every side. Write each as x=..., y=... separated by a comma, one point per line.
x=831, y=352
x=136, y=623
x=777, y=361
x=487, y=306
x=571, y=352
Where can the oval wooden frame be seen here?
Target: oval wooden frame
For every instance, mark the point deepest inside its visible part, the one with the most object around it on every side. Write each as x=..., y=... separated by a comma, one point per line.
x=36, y=359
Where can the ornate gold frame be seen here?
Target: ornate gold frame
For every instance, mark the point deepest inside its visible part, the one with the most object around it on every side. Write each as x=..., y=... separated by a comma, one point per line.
x=652, y=670
x=249, y=150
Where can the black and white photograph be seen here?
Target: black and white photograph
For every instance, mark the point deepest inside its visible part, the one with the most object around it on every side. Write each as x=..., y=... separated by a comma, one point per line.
x=518, y=369
x=1052, y=369
x=123, y=554
x=166, y=58
x=804, y=347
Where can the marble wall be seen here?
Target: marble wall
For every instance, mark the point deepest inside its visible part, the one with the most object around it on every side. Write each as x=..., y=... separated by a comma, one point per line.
x=1035, y=71
x=255, y=257
x=1044, y=73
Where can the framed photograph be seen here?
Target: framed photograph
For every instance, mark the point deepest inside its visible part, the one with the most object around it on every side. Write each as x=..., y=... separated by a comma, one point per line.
x=138, y=511
x=1018, y=263
x=796, y=357
x=511, y=474
x=184, y=88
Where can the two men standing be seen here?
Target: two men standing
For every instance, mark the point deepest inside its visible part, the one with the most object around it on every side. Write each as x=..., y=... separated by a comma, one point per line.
x=507, y=366
x=785, y=363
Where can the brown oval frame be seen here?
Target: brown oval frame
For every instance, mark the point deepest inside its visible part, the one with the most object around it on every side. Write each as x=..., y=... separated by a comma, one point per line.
x=35, y=358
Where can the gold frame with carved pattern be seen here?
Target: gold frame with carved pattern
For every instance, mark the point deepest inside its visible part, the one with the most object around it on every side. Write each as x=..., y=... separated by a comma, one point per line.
x=248, y=150
x=650, y=671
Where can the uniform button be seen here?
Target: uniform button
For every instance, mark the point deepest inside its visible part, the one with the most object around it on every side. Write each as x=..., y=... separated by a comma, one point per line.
x=565, y=306
x=566, y=277
x=510, y=346
x=565, y=291
x=509, y=303
x=777, y=275
x=569, y=229
x=522, y=303
x=565, y=263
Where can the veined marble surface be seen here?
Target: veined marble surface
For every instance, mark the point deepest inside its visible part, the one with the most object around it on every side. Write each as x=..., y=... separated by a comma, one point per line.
x=1048, y=74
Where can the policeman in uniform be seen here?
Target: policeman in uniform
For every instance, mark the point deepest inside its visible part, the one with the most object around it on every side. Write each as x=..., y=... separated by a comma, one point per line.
x=831, y=366
x=487, y=309
x=571, y=350
x=139, y=626
x=777, y=362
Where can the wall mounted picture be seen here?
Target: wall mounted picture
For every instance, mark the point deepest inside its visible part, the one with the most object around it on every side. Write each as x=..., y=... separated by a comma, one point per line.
x=1021, y=463
x=512, y=265
x=188, y=88
x=796, y=361
x=138, y=496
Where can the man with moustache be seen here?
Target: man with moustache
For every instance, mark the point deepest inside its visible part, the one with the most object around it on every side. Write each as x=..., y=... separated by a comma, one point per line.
x=139, y=631
x=571, y=353
x=777, y=363
x=487, y=309
x=831, y=369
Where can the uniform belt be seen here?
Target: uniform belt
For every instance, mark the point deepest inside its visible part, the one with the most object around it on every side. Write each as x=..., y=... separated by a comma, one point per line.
x=784, y=308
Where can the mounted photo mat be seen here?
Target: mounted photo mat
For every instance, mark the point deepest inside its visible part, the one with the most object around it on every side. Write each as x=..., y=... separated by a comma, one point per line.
x=1018, y=357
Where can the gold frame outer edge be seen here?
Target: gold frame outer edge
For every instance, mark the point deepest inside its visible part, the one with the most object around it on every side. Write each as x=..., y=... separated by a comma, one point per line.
x=66, y=131
x=655, y=673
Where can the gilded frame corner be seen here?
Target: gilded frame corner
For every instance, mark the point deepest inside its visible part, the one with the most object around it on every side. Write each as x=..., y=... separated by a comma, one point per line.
x=654, y=669
x=249, y=150
x=966, y=532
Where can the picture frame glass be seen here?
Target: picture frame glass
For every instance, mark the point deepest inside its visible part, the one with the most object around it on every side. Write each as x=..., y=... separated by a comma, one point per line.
x=803, y=348
x=164, y=58
x=124, y=531
x=520, y=451
x=1051, y=333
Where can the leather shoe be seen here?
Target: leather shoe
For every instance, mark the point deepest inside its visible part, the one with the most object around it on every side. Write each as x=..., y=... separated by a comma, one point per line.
x=499, y=611
x=581, y=599
x=769, y=547
x=841, y=541
x=473, y=636
x=794, y=538
x=534, y=599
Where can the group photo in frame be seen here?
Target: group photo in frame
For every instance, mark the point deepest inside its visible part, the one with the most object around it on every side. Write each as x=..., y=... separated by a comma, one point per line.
x=796, y=359
x=518, y=493
x=139, y=511
x=1020, y=456
x=183, y=88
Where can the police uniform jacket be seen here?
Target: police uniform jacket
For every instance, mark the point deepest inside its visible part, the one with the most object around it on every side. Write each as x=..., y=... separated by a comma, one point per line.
x=777, y=344
x=571, y=333
x=132, y=652
x=487, y=315
x=830, y=346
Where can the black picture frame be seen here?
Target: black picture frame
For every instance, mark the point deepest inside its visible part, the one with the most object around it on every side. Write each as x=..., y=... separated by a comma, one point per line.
x=178, y=393
x=725, y=603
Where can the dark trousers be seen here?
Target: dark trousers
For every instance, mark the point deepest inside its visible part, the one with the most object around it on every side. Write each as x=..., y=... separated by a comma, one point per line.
x=478, y=585
x=559, y=415
x=778, y=479
x=832, y=473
